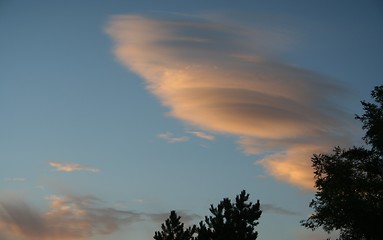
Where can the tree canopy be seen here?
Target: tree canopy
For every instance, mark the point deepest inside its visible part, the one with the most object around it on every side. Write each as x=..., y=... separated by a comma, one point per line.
x=234, y=221
x=349, y=182
x=372, y=120
x=173, y=229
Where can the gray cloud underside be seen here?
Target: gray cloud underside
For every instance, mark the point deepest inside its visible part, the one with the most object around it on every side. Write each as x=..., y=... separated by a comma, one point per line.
x=185, y=217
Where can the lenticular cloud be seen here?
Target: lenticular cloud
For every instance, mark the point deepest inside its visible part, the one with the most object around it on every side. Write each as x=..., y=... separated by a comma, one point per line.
x=219, y=78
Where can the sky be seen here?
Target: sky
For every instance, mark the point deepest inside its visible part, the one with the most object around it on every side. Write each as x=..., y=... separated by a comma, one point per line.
x=114, y=113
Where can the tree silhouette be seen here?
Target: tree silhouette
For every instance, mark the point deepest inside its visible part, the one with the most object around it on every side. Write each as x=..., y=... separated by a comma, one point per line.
x=372, y=120
x=173, y=229
x=230, y=221
x=349, y=182
x=234, y=221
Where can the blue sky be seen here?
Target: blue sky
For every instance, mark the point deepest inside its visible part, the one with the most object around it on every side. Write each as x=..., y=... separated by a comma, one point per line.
x=115, y=112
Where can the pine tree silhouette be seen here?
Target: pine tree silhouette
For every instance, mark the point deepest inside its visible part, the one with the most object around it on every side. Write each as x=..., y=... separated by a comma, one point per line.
x=173, y=229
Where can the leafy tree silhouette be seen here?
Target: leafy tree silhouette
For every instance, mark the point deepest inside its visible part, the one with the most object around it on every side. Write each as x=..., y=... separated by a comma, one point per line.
x=173, y=229
x=234, y=221
x=372, y=120
x=349, y=182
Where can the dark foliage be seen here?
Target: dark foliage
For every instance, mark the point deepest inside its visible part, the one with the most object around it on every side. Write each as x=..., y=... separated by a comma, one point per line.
x=229, y=221
x=372, y=120
x=349, y=183
x=235, y=221
x=173, y=229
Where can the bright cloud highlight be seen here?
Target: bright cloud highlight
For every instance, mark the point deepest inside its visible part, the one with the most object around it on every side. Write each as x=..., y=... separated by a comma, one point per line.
x=70, y=167
x=202, y=135
x=221, y=79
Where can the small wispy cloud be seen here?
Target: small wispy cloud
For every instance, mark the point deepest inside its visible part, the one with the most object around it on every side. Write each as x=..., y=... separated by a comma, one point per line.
x=169, y=137
x=41, y=187
x=277, y=210
x=14, y=179
x=202, y=135
x=138, y=200
x=70, y=167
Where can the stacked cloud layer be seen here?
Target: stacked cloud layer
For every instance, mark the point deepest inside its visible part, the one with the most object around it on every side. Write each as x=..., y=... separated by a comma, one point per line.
x=224, y=79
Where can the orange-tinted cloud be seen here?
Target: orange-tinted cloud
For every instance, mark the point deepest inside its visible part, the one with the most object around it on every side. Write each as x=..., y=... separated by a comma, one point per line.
x=70, y=167
x=219, y=78
x=69, y=218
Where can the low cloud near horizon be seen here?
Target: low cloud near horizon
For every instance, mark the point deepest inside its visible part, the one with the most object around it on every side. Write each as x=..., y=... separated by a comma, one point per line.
x=220, y=79
x=69, y=218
